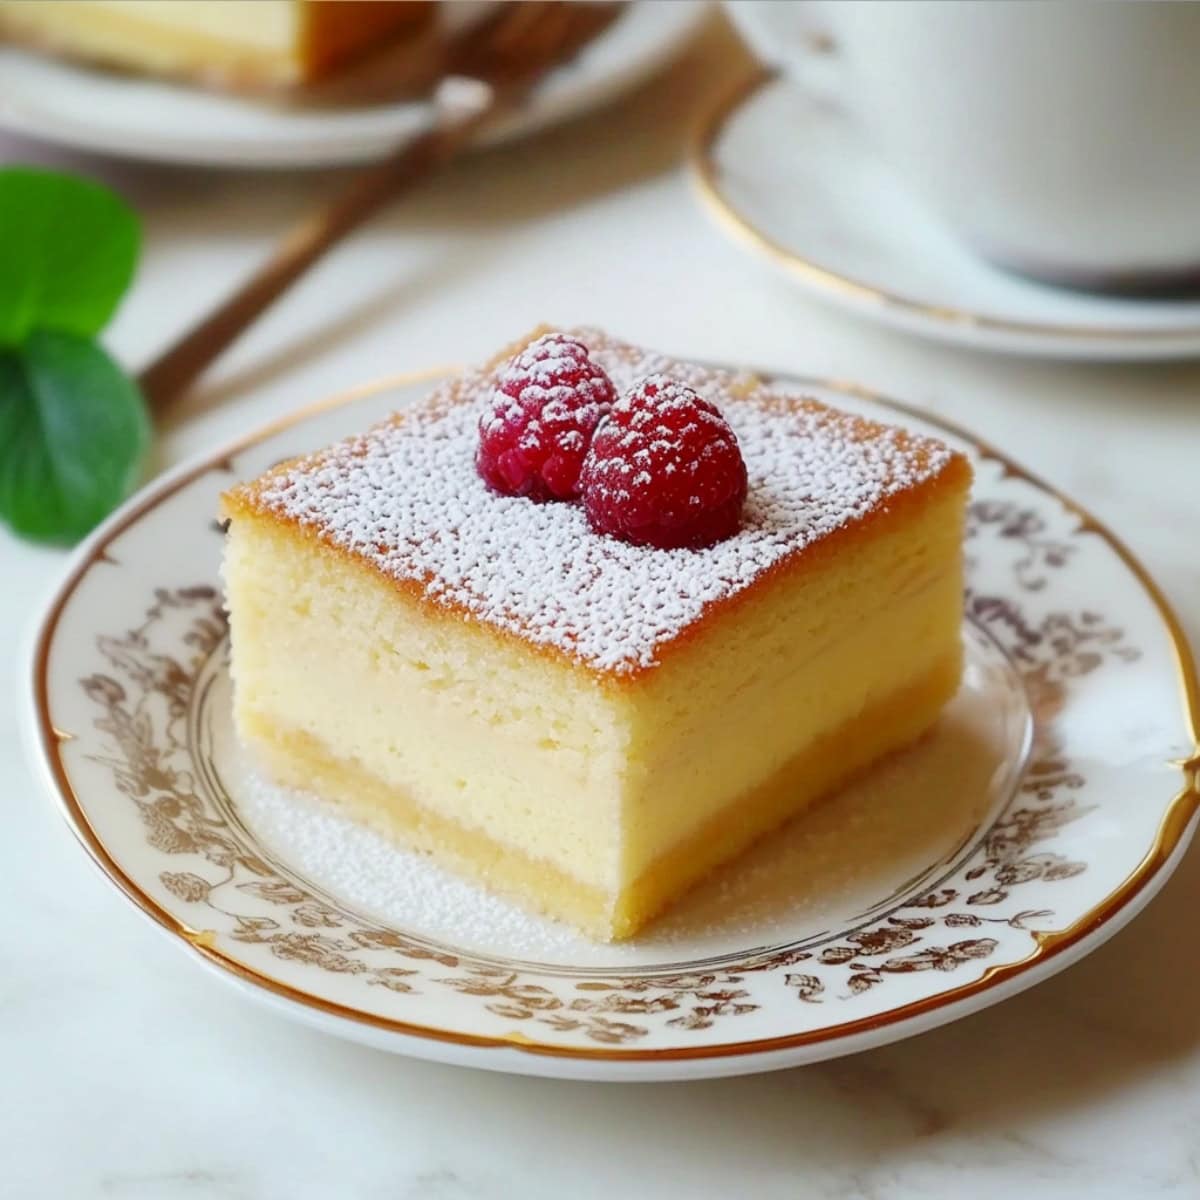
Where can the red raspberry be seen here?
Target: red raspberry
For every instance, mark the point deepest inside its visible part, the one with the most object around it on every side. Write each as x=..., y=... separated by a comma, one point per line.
x=664, y=470
x=534, y=433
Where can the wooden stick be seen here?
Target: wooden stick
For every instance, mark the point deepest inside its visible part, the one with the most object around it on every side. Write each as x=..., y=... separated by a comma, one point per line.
x=169, y=376
x=463, y=107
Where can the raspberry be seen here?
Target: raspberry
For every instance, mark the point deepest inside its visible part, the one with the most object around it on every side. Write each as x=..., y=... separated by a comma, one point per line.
x=664, y=470
x=535, y=431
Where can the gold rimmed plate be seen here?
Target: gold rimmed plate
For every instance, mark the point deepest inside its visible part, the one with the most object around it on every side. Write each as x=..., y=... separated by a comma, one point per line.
x=791, y=177
x=1050, y=803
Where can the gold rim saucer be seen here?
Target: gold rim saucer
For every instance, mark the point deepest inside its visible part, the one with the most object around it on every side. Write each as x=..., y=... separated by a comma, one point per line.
x=707, y=174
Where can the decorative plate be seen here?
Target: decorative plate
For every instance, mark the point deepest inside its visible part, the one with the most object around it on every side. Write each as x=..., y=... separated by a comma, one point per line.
x=1052, y=801
x=134, y=117
x=790, y=176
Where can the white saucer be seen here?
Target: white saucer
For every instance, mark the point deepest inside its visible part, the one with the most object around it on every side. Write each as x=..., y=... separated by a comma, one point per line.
x=134, y=117
x=790, y=176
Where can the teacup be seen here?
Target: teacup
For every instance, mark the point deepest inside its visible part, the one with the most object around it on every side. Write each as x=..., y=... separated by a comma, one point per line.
x=1058, y=138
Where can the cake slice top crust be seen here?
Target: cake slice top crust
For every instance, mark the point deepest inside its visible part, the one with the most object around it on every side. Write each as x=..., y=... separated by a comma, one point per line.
x=404, y=498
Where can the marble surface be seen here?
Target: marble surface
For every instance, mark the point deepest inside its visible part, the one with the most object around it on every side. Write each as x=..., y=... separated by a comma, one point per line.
x=127, y=1073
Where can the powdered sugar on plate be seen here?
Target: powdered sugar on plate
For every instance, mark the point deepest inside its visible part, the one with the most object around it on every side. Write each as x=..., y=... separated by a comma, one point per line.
x=358, y=867
x=405, y=496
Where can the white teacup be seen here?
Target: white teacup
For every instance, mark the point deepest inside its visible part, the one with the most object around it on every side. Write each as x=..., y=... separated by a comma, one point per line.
x=1059, y=138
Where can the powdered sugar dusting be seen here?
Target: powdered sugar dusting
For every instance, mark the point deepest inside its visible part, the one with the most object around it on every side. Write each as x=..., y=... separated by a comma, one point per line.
x=365, y=870
x=405, y=495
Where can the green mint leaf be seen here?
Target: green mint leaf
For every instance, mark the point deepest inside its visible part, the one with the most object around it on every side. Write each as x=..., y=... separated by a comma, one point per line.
x=68, y=248
x=73, y=430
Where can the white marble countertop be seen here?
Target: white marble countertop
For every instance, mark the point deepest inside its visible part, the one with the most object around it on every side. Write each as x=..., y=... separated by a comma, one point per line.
x=127, y=1073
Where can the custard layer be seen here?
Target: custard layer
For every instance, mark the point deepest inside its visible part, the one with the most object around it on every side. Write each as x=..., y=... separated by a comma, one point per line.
x=299, y=760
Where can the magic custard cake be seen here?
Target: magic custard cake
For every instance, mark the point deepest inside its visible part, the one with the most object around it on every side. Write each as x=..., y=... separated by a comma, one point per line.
x=249, y=43
x=588, y=693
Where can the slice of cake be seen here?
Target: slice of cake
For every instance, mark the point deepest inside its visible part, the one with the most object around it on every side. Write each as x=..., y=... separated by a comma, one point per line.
x=238, y=43
x=586, y=724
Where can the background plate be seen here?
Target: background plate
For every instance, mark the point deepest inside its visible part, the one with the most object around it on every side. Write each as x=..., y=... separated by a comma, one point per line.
x=134, y=117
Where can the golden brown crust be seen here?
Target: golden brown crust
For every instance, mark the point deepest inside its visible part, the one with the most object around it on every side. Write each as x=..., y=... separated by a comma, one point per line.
x=335, y=33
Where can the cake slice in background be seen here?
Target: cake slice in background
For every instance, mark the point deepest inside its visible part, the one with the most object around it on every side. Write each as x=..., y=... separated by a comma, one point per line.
x=587, y=725
x=228, y=43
